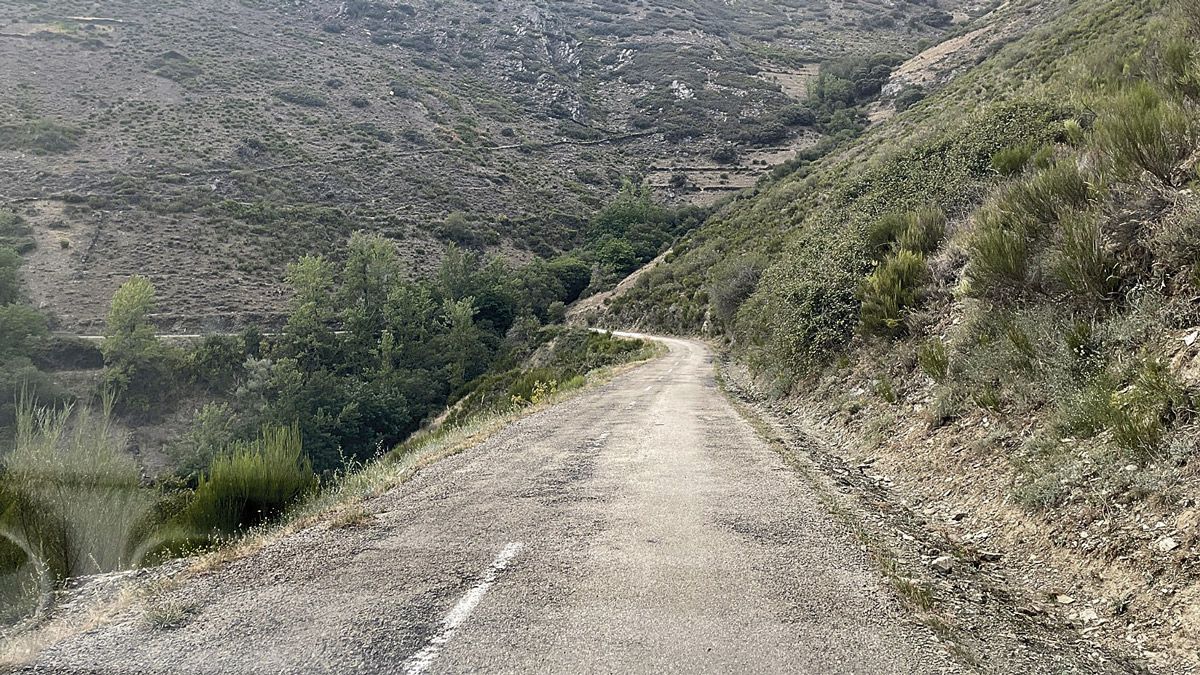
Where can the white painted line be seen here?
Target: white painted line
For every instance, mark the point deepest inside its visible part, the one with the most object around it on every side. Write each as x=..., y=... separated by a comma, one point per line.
x=417, y=663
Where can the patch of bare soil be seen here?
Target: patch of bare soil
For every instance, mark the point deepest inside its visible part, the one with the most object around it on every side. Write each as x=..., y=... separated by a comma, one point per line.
x=708, y=182
x=926, y=68
x=795, y=83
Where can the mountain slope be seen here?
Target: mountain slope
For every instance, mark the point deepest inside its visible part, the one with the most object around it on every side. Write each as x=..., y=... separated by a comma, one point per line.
x=210, y=144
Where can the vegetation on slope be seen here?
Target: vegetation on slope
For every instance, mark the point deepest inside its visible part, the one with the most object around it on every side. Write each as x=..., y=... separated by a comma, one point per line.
x=1012, y=260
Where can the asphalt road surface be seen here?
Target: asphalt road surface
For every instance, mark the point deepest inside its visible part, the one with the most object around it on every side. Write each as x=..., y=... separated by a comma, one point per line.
x=640, y=527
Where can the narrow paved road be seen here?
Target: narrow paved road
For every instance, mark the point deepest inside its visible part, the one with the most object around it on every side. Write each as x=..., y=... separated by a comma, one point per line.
x=641, y=527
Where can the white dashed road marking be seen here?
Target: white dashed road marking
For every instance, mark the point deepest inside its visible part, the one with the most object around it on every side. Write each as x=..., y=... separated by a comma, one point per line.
x=417, y=663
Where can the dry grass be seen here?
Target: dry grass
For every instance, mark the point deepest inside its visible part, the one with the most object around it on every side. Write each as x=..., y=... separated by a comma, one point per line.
x=21, y=649
x=353, y=515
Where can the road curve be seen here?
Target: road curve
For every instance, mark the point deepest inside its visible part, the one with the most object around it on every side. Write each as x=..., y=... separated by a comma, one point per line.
x=640, y=527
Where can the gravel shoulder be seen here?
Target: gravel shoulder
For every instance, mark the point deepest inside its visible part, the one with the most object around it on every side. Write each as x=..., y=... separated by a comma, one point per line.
x=644, y=526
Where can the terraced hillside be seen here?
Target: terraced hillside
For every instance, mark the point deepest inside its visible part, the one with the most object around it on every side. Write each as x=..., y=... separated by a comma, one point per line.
x=207, y=144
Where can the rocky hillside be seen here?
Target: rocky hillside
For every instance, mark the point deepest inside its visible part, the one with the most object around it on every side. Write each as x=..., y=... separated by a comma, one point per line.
x=208, y=144
x=987, y=307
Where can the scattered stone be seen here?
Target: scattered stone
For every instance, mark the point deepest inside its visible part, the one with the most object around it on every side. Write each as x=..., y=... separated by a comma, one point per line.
x=944, y=564
x=959, y=516
x=1166, y=545
x=1089, y=615
x=990, y=556
x=1063, y=599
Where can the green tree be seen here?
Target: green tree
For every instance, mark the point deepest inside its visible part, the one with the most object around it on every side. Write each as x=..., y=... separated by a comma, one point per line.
x=463, y=340
x=455, y=277
x=411, y=313
x=372, y=269
x=138, y=368
x=129, y=336
x=10, y=280
x=574, y=275
x=22, y=328
x=308, y=335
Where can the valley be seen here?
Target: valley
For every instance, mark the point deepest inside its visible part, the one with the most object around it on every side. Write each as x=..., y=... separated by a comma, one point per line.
x=208, y=145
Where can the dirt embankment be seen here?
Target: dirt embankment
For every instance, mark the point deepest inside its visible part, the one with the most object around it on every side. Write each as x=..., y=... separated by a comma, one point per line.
x=1120, y=574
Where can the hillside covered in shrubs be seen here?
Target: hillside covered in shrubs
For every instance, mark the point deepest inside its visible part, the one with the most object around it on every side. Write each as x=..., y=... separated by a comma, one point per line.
x=1003, y=277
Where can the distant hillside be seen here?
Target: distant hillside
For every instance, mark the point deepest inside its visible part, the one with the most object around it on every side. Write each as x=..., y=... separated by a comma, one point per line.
x=207, y=144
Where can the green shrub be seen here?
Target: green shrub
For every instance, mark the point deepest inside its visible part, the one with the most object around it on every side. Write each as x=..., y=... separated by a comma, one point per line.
x=806, y=307
x=139, y=370
x=71, y=496
x=1141, y=413
x=999, y=255
x=1175, y=243
x=1074, y=132
x=15, y=233
x=732, y=283
x=1178, y=69
x=302, y=96
x=1055, y=193
x=1141, y=130
x=934, y=360
x=1137, y=409
x=217, y=362
x=919, y=231
x=251, y=483
x=10, y=278
x=888, y=293
x=12, y=557
x=924, y=231
x=213, y=429
x=882, y=233
x=41, y=137
x=1012, y=160
x=886, y=389
x=910, y=97
x=1081, y=260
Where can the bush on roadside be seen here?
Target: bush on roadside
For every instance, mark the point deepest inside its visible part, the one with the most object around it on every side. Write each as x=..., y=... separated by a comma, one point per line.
x=70, y=495
x=890, y=292
x=731, y=283
x=250, y=484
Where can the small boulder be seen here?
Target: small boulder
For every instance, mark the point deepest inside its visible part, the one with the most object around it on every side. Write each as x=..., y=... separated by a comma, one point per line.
x=943, y=564
x=1166, y=545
